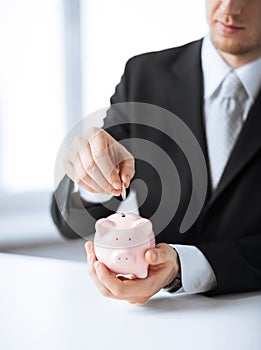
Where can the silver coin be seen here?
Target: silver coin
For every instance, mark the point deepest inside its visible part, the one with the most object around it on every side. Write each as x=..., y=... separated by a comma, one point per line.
x=123, y=191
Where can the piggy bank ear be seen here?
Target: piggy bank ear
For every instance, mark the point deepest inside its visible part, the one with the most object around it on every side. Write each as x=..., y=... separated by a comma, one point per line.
x=103, y=225
x=144, y=225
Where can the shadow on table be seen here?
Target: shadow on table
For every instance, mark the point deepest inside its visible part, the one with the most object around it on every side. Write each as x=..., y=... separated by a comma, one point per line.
x=186, y=303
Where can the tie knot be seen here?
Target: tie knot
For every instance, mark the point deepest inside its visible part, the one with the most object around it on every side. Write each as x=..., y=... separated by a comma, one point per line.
x=233, y=88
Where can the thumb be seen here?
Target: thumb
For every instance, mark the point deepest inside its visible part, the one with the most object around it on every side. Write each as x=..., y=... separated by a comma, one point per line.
x=127, y=171
x=157, y=255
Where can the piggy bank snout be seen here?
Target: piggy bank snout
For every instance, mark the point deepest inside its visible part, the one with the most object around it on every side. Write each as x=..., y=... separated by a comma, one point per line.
x=123, y=257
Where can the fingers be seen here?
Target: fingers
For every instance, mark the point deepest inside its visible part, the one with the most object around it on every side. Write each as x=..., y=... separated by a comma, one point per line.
x=110, y=286
x=105, y=163
x=98, y=163
x=113, y=287
x=78, y=175
x=90, y=174
x=82, y=168
x=91, y=260
x=129, y=290
x=162, y=270
x=127, y=171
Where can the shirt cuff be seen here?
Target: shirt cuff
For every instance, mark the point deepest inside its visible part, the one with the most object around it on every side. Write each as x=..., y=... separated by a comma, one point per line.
x=92, y=197
x=197, y=275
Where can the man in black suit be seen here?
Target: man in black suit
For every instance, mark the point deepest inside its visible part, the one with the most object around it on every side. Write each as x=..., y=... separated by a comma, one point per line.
x=221, y=252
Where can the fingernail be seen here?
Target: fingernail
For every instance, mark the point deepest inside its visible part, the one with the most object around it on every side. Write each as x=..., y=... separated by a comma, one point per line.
x=126, y=180
x=116, y=185
x=116, y=192
x=154, y=256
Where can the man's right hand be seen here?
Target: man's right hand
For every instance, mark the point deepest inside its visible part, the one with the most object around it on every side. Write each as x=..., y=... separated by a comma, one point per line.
x=98, y=163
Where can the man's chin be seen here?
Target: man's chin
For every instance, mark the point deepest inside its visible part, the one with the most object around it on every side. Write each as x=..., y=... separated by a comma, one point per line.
x=230, y=46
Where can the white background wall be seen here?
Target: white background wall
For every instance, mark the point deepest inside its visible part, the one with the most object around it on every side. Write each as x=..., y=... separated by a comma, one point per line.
x=115, y=30
x=32, y=92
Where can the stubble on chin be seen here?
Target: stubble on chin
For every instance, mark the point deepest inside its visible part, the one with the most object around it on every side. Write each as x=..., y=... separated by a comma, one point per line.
x=229, y=47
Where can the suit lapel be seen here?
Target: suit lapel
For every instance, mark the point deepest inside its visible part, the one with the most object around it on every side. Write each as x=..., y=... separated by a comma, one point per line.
x=187, y=91
x=188, y=94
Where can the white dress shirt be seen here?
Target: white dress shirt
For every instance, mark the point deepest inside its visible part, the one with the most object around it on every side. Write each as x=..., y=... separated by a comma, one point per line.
x=197, y=274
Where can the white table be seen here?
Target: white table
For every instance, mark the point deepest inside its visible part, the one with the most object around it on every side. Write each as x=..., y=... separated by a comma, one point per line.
x=52, y=304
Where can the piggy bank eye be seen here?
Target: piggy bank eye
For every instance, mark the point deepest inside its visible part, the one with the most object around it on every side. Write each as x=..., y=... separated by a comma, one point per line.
x=129, y=238
x=117, y=238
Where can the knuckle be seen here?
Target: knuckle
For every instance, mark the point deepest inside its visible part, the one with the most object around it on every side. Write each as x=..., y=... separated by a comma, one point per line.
x=96, y=134
x=164, y=256
x=93, y=130
x=78, y=170
x=97, y=154
x=129, y=156
x=89, y=166
x=81, y=173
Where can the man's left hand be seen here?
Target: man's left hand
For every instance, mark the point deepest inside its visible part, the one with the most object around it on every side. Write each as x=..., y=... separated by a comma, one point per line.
x=163, y=268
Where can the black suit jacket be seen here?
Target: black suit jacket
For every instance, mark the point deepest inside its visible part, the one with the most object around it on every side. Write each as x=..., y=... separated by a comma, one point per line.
x=228, y=230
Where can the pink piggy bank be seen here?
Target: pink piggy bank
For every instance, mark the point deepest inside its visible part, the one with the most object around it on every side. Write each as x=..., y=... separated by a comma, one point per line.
x=120, y=242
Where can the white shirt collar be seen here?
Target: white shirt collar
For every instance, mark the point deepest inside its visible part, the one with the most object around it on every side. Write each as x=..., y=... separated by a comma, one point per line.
x=215, y=69
x=250, y=77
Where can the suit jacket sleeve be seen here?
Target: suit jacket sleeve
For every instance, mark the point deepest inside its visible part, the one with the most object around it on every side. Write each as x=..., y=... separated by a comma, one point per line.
x=236, y=264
